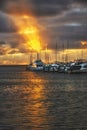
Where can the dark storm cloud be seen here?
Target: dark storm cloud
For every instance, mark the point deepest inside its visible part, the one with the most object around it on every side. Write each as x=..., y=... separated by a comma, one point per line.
x=37, y=7
x=71, y=26
x=6, y=23
x=81, y=1
x=74, y=25
x=49, y=7
x=57, y=28
x=78, y=33
x=72, y=33
x=2, y=42
x=13, y=6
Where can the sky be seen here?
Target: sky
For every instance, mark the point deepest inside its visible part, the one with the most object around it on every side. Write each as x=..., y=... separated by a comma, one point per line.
x=31, y=26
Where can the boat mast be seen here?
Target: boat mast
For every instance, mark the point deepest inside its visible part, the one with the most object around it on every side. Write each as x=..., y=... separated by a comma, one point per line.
x=63, y=52
x=56, y=53
x=82, y=51
x=67, y=47
x=30, y=57
x=46, y=55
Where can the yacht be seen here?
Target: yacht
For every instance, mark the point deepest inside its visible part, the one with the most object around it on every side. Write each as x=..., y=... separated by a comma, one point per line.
x=78, y=68
x=37, y=65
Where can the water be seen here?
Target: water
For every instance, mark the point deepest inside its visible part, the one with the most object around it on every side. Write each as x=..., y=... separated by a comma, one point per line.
x=42, y=101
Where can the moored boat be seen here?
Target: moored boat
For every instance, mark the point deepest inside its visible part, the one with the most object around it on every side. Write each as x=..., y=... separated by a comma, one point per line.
x=78, y=68
x=37, y=65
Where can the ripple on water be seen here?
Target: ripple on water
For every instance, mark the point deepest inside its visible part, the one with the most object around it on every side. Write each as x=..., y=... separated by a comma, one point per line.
x=38, y=101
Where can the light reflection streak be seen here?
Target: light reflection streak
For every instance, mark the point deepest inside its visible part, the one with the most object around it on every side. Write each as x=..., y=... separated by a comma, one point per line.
x=36, y=109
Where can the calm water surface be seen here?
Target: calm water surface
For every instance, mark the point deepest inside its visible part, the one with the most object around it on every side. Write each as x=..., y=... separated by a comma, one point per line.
x=42, y=101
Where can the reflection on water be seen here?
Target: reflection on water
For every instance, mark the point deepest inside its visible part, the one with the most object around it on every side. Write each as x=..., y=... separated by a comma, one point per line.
x=36, y=106
x=42, y=101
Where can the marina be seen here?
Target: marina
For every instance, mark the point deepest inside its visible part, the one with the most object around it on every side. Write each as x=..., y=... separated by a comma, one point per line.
x=78, y=66
x=43, y=64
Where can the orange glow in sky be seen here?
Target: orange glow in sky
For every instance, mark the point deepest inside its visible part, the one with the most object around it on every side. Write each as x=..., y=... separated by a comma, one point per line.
x=30, y=32
x=84, y=42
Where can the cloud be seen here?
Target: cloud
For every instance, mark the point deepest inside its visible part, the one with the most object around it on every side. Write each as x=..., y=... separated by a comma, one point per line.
x=38, y=7
x=4, y=49
x=77, y=33
x=81, y=1
x=67, y=21
x=72, y=27
x=13, y=44
x=49, y=7
x=6, y=24
x=35, y=7
x=2, y=43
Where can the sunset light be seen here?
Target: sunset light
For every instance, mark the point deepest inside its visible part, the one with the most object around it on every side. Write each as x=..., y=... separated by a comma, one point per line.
x=30, y=33
x=31, y=27
x=84, y=42
x=43, y=64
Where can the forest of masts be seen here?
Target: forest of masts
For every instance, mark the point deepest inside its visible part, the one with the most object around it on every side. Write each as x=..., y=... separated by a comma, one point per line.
x=64, y=54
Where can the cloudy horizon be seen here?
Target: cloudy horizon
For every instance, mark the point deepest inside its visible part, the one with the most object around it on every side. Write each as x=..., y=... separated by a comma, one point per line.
x=53, y=22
